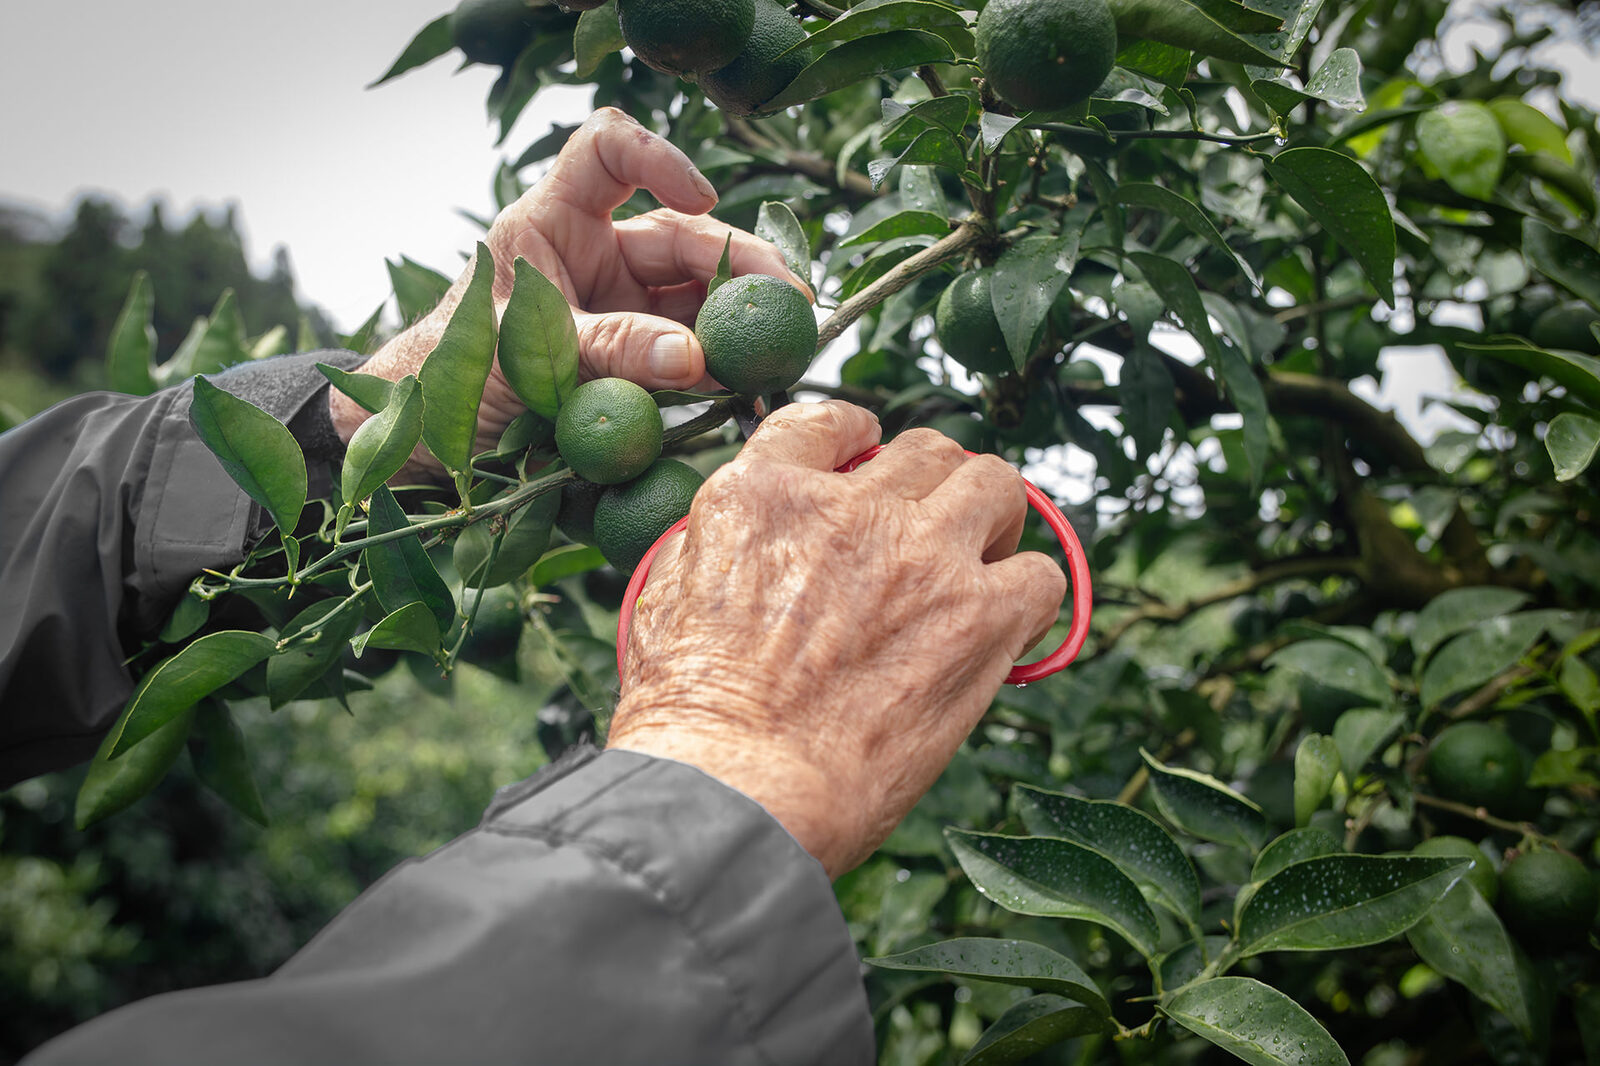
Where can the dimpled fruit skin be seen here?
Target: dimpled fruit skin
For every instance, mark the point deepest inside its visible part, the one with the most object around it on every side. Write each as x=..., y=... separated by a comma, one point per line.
x=609, y=430
x=1046, y=54
x=686, y=36
x=1548, y=896
x=1481, y=876
x=758, y=333
x=630, y=518
x=965, y=323
x=758, y=74
x=1476, y=764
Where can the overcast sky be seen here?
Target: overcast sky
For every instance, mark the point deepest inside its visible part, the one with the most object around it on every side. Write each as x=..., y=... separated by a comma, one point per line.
x=207, y=101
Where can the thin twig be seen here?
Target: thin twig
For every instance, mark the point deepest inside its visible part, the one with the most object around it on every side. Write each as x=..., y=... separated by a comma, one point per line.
x=947, y=248
x=1115, y=137
x=1479, y=814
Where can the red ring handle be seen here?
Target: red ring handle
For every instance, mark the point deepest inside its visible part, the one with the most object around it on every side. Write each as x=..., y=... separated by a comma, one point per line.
x=1021, y=673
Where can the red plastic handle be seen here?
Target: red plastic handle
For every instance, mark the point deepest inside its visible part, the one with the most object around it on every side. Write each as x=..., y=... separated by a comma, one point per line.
x=1022, y=673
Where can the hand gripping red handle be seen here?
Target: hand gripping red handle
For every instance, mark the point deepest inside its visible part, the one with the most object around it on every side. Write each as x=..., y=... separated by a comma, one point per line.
x=1022, y=673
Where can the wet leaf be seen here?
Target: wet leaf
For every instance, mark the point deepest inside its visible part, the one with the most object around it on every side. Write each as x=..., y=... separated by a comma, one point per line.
x=1336, y=664
x=1186, y=211
x=1336, y=82
x=256, y=450
x=860, y=59
x=776, y=223
x=1200, y=804
x=1012, y=962
x=1339, y=194
x=1454, y=610
x=538, y=342
x=1483, y=652
x=1463, y=939
x=1031, y=1026
x=180, y=681
x=1027, y=279
x=1342, y=901
x=1296, y=845
x=1210, y=29
x=1255, y=1022
x=1572, y=441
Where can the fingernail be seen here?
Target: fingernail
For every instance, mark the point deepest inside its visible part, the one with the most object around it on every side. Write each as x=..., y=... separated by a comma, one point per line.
x=669, y=357
x=702, y=184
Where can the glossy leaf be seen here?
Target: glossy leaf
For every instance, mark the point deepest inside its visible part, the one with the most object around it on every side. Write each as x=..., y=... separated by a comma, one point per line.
x=187, y=617
x=114, y=784
x=1455, y=610
x=1481, y=653
x=565, y=561
x=775, y=222
x=1030, y=1026
x=1316, y=764
x=1339, y=194
x=539, y=342
x=858, y=60
x=992, y=128
x=371, y=392
x=454, y=374
x=1186, y=211
x=597, y=35
x=411, y=628
x=1200, y=804
x=1527, y=126
x=417, y=289
x=1342, y=901
x=1336, y=82
x=1011, y=962
x=724, y=272
x=429, y=44
x=256, y=450
x=1298, y=16
x=1297, y=845
x=221, y=761
x=401, y=571
x=883, y=18
x=295, y=667
x=1463, y=141
x=932, y=147
x=177, y=683
x=897, y=225
x=1462, y=938
x=1027, y=279
x=1361, y=732
x=1572, y=441
x=1337, y=665
x=1578, y=373
x=526, y=536
x=1056, y=879
x=1254, y=1022
x=1210, y=29
x=381, y=445
x=131, y=350
x=1565, y=260
x=1139, y=845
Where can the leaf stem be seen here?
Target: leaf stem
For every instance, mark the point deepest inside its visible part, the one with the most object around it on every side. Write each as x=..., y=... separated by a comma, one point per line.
x=1151, y=135
x=968, y=233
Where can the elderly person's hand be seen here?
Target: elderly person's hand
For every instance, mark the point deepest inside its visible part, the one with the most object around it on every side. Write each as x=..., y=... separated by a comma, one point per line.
x=635, y=285
x=824, y=642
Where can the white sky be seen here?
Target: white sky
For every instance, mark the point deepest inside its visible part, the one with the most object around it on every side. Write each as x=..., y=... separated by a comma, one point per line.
x=208, y=101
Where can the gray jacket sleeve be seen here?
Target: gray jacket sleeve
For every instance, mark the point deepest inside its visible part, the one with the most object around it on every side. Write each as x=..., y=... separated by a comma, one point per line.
x=109, y=506
x=613, y=909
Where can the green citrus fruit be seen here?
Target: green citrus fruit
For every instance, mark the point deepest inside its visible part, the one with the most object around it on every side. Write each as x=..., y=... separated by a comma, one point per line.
x=1046, y=54
x=686, y=36
x=1566, y=326
x=496, y=629
x=1548, y=896
x=609, y=430
x=965, y=323
x=758, y=74
x=1481, y=876
x=492, y=31
x=758, y=333
x=631, y=517
x=1477, y=764
x=576, y=517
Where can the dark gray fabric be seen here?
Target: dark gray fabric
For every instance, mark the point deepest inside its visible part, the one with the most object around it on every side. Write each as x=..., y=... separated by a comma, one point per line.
x=109, y=505
x=616, y=909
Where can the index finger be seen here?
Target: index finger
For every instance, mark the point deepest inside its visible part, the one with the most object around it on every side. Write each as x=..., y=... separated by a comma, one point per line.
x=821, y=436
x=610, y=156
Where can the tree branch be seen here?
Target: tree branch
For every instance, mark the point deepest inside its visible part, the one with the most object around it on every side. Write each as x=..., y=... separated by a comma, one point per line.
x=807, y=163
x=1114, y=137
x=967, y=234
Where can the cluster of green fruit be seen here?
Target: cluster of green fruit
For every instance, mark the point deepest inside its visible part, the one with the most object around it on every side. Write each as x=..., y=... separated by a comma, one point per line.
x=496, y=31
x=741, y=52
x=1548, y=897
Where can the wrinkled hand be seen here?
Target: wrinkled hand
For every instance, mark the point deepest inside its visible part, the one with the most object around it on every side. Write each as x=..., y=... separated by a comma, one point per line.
x=824, y=642
x=635, y=286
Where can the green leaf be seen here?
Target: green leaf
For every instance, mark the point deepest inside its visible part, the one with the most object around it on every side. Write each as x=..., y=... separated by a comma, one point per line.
x=1463, y=939
x=417, y=289
x=411, y=628
x=1483, y=652
x=1297, y=845
x=1342, y=901
x=362, y=339
x=1148, y=396
x=455, y=372
x=1339, y=194
x=429, y=44
x=114, y=784
x=1580, y=684
x=1056, y=879
x=897, y=225
x=180, y=681
x=538, y=342
x=858, y=60
x=1027, y=279
x=221, y=762
x=1567, y=261
x=1298, y=16
x=1455, y=610
x=1463, y=142
x=294, y=668
x=776, y=223
x=256, y=450
x=597, y=35
x=1337, y=665
x=564, y=562
x=1200, y=804
x=401, y=571
x=1316, y=764
x=1337, y=82
x=1209, y=29
x=1254, y=1022
x=1186, y=211
x=371, y=392
x=901, y=123
x=724, y=272
x=1011, y=962
x=187, y=617
x=1030, y=1026
x=526, y=536
x=130, y=352
x=381, y=445
x=992, y=129
x=213, y=344
x=1578, y=373
x=932, y=147
x=1527, y=126
x=1572, y=441
x=1139, y=845
x=1361, y=732
x=885, y=18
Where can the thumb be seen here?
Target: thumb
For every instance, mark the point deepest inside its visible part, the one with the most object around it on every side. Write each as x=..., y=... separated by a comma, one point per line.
x=657, y=353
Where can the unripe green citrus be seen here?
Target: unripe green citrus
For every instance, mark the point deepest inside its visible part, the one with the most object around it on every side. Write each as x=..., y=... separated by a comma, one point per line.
x=1477, y=764
x=631, y=517
x=576, y=516
x=609, y=430
x=1548, y=896
x=1043, y=55
x=965, y=324
x=758, y=333
x=758, y=74
x=1481, y=876
x=686, y=36
x=492, y=31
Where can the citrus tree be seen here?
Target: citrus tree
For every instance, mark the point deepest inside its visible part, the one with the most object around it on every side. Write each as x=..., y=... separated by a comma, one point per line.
x=1326, y=771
